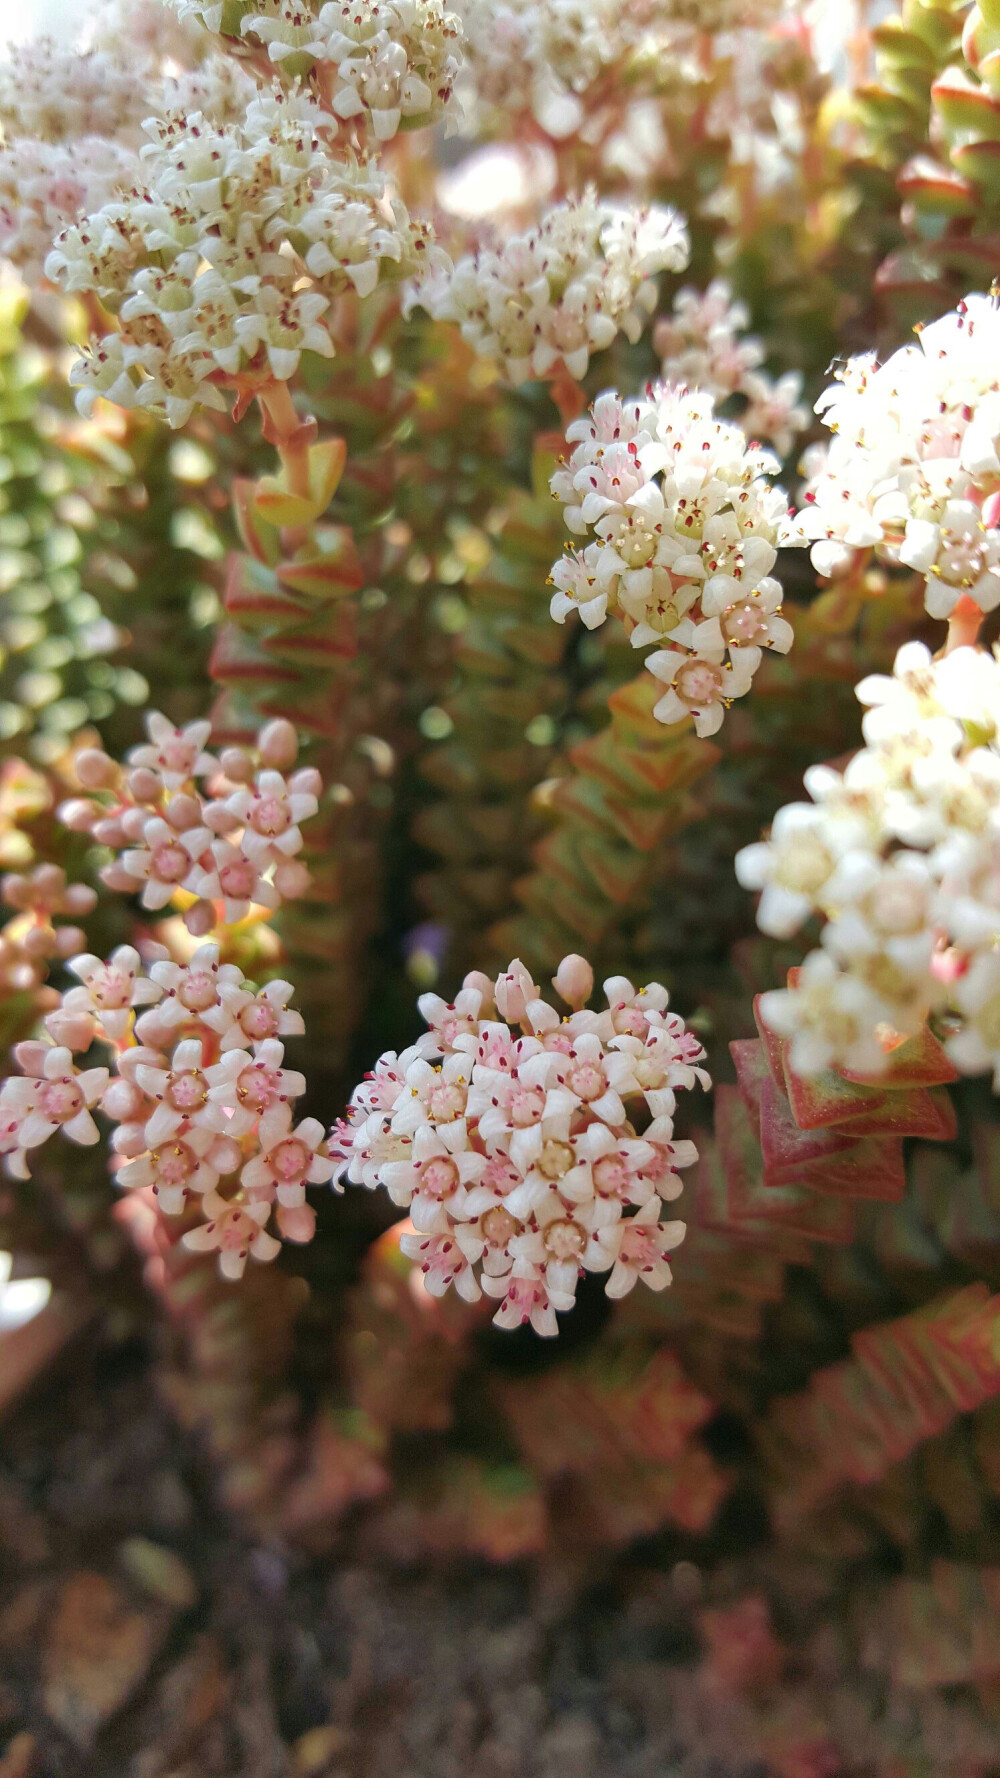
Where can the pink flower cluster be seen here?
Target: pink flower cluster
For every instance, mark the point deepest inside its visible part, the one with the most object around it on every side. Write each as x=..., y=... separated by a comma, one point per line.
x=508, y=1132
x=199, y=1094
x=233, y=849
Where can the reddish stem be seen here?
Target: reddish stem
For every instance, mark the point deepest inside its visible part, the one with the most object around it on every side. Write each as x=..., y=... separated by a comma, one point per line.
x=963, y=626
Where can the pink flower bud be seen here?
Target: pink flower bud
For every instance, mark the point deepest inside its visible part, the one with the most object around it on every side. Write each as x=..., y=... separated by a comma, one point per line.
x=476, y=979
x=183, y=812
x=48, y=881
x=16, y=890
x=512, y=992
x=152, y=1029
x=131, y=1059
x=291, y=879
x=225, y=1155
x=30, y=1056
x=109, y=832
x=79, y=898
x=133, y=823
x=78, y=814
x=143, y=785
x=237, y=765
x=297, y=1222
x=40, y=942
x=574, y=981
x=115, y=876
x=200, y=919
x=308, y=782
x=278, y=745
x=123, y=1101
x=218, y=818
x=74, y=1030
x=129, y=1141
x=70, y=941
x=96, y=770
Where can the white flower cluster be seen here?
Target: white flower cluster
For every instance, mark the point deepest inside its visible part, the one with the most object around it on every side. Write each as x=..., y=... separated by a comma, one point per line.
x=514, y=1150
x=199, y=1094
x=704, y=344
x=389, y=63
x=914, y=463
x=234, y=849
x=227, y=258
x=46, y=185
x=565, y=289
x=900, y=855
x=686, y=533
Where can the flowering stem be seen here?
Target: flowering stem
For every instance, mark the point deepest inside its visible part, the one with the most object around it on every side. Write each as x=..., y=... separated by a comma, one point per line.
x=289, y=435
x=963, y=625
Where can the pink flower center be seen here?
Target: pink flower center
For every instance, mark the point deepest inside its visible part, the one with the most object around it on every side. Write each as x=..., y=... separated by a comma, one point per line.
x=745, y=624
x=586, y=1080
x=269, y=816
x=499, y=1226
x=259, y=1087
x=177, y=756
x=235, y=1230
x=559, y=1042
x=199, y=991
x=290, y=1161
x=111, y=989
x=699, y=683
x=258, y=1020
x=237, y=880
x=438, y=1177
x=170, y=862
x=564, y=1240
x=500, y=1176
x=628, y=1021
x=611, y=1176
x=662, y=1163
x=59, y=1101
x=526, y=1106
x=446, y=1102
x=440, y=1258
x=174, y=1164
x=640, y=1247
x=188, y=1091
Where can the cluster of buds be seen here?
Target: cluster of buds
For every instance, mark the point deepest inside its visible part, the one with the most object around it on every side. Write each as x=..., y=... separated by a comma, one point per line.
x=389, y=64
x=704, y=344
x=547, y=299
x=197, y=1090
x=232, y=849
x=913, y=470
x=687, y=528
x=509, y=1134
x=31, y=938
x=899, y=854
x=223, y=263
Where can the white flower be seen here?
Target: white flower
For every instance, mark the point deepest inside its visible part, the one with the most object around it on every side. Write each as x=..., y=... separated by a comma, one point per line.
x=52, y=1094
x=235, y=880
x=235, y=1231
x=110, y=990
x=635, y=1249
x=289, y=1159
x=699, y=688
x=166, y=861
x=192, y=1161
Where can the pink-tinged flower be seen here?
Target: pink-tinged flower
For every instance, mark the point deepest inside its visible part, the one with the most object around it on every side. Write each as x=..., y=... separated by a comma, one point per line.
x=634, y=1249
x=442, y=1263
x=555, y=1246
x=237, y=881
x=51, y=1094
x=191, y=1162
x=192, y=990
x=631, y=1009
x=608, y=1171
x=110, y=990
x=175, y=754
x=180, y=1088
x=166, y=861
x=595, y=1078
x=431, y=1180
x=270, y=813
x=243, y=1016
x=524, y=1299
x=436, y=1096
x=512, y=992
x=236, y=1232
x=289, y=1160
x=670, y=1156
x=251, y=1087
x=699, y=688
x=451, y=1020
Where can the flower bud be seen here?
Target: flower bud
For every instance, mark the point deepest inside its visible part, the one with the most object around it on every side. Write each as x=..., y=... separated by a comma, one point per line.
x=237, y=765
x=512, y=992
x=30, y=1056
x=278, y=745
x=79, y=899
x=183, y=812
x=115, y=876
x=96, y=770
x=109, y=832
x=153, y=1030
x=218, y=818
x=129, y=1142
x=133, y=823
x=200, y=918
x=78, y=814
x=15, y=890
x=73, y=1030
x=143, y=785
x=297, y=1222
x=48, y=882
x=123, y=1101
x=291, y=879
x=70, y=941
x=40, y=942
x=476, y=979
x=574, y=981
x=308, y=782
